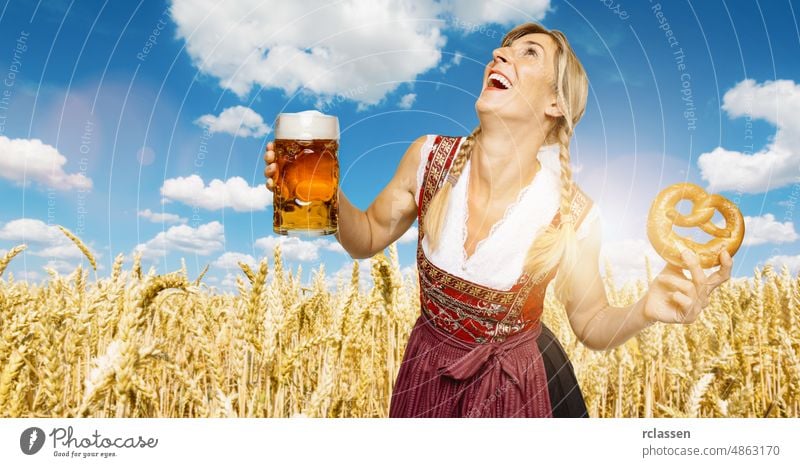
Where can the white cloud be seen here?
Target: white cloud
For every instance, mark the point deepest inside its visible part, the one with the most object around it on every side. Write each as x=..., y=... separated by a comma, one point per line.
x=775, y=165
x=454, y=61
x=792, y=262
x=409, y=271
x=30, y=230
x=345, y=273
x=327, y=49
x=238, y=121
x=410, y=235
x=202, y=240
x=55, y=243
x=162, y=217
x=233, y=193
x=295, y=248
x=468, y=13
x=65, y=251
x=765, y=229
x=61, y=266
x=229, y=282
x=407, y=101
x=26, y=160
x=231, y=259
x=336, y=247
x=67, y=267
x=28, y=275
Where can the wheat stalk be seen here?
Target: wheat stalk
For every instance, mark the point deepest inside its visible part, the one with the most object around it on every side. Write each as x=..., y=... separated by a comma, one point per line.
x=9, y=374
x=137, y=345
x=81, y=246
x=10, y=255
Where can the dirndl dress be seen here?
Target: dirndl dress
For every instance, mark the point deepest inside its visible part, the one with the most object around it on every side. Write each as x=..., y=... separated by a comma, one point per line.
x=476, y=351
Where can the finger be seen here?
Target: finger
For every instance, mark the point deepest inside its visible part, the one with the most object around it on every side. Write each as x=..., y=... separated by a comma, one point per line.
x=690, y=315
x=269, y=156
x=693, y=264
x=672, y=270
x=684, y=306
x=682, y=285
x=271, y=169
x=270, y=184
x=724, y=272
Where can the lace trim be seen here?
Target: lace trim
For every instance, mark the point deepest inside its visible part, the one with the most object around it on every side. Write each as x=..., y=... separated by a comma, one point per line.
x=511, y=207
x=491, y=265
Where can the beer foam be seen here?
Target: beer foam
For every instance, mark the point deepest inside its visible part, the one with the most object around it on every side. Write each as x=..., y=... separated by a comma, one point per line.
x=306, y=125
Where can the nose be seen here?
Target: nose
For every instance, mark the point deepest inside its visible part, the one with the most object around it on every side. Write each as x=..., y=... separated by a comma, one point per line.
x=500, y=55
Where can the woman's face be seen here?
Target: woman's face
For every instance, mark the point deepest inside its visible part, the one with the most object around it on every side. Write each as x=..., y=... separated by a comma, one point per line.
x=518, y=82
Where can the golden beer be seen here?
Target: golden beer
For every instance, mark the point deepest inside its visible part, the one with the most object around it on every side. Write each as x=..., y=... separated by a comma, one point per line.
x=306, y=188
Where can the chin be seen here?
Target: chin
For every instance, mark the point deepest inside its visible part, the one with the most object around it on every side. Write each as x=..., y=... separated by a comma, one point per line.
x=492, y=108
x=487, y=103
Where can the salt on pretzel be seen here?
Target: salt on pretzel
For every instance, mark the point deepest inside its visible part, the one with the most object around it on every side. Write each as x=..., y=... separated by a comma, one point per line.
x=663, y=216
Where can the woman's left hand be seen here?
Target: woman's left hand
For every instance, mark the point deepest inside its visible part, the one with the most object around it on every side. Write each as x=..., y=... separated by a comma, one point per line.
x=672, y=298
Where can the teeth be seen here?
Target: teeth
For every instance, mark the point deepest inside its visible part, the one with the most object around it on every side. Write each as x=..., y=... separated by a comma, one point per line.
x=502, y=79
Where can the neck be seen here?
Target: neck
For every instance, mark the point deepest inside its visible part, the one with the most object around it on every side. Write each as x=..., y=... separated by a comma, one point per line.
x=504, y=160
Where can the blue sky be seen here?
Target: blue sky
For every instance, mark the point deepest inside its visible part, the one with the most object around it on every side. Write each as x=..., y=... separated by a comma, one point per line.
x=103, y=129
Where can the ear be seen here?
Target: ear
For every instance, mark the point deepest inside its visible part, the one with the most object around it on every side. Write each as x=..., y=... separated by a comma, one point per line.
x=553, y=110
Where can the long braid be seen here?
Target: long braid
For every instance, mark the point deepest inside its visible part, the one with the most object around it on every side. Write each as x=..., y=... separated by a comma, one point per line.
x=566, y=174
x=554, y=247
x=464, y=153
x=567, y=223
x=435, y=213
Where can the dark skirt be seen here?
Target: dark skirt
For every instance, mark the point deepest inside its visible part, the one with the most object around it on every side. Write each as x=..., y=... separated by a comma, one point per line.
x=566, y=398
x=442, y=376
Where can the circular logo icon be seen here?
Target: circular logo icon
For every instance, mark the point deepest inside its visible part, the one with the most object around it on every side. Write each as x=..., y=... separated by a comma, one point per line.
x=31, y=440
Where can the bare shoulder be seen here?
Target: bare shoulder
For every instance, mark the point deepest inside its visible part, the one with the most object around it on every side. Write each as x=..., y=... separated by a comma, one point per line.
x=407, y=169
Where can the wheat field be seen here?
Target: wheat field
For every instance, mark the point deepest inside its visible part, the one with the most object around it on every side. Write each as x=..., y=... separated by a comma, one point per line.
x=137, y=344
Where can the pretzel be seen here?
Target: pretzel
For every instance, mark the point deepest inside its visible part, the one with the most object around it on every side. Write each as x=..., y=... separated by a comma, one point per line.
x=663, y=216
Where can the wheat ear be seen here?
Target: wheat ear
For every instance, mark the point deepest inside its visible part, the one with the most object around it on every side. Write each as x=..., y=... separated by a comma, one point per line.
x=9, y=256
x=81, y=246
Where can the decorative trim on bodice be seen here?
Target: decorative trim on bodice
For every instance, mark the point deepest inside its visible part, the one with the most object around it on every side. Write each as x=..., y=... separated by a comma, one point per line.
x=473, y=312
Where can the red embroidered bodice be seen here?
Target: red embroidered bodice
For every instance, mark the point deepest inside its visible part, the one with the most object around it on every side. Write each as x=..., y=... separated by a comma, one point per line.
x=464, y=309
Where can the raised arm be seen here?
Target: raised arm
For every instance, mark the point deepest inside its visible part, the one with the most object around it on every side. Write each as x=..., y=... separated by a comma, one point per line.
x=364, y=234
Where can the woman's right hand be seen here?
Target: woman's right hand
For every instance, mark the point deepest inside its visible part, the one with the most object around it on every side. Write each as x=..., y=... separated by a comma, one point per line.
x=271, y=171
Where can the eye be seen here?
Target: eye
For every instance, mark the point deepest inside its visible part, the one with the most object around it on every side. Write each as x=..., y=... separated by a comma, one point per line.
x=531, y=51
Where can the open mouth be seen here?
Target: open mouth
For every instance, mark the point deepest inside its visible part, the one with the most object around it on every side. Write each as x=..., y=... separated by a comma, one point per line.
x=498, y=81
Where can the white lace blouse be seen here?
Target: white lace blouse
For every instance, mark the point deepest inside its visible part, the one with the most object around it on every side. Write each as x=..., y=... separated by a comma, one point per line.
x=497, y=262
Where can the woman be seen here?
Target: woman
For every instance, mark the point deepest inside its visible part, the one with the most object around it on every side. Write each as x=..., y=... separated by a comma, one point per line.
x=500, y=217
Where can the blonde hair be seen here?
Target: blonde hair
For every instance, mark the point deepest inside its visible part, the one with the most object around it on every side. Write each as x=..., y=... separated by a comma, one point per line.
x=553, y=246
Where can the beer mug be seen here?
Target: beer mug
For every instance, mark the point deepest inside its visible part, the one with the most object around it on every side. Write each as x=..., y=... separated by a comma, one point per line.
x=306, y=188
